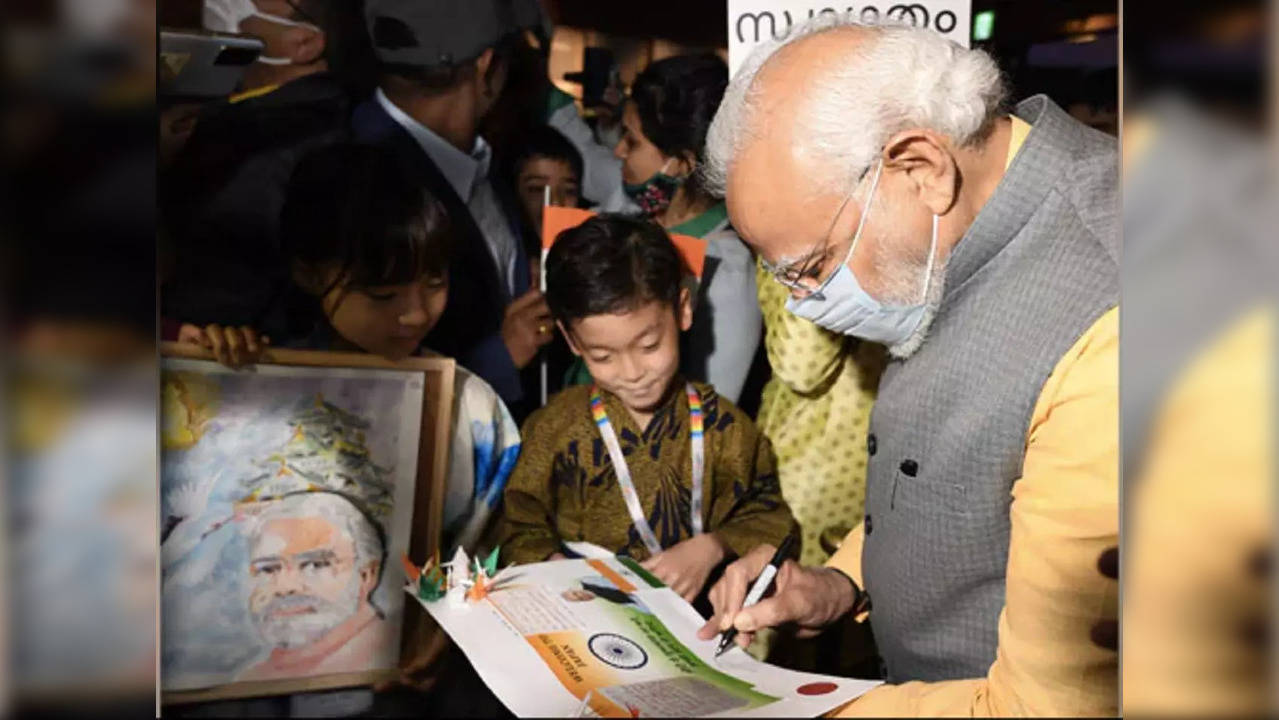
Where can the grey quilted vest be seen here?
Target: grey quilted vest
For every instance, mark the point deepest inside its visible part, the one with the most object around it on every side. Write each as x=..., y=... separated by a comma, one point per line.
x=948, y=434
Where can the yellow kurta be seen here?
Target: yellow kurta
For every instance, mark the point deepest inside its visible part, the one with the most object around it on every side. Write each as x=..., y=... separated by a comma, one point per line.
x=1189, y=595
x=816, y=412
x=1065, y=512
x=564, y=486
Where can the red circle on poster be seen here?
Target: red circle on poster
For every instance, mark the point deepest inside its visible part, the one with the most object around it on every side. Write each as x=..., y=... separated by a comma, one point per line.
x=817, y=688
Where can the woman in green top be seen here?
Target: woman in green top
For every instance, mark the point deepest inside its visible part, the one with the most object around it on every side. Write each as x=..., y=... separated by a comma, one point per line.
x=663, y=136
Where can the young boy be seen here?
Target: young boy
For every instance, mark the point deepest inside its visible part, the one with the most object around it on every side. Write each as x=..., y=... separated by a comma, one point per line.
x=545, y=159
x=617, y=463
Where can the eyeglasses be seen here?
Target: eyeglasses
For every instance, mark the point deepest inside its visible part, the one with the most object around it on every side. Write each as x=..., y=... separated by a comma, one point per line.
x=801, y=276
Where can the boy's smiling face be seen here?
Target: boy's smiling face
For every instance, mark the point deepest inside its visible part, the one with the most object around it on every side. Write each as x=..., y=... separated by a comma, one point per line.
x=633, y=354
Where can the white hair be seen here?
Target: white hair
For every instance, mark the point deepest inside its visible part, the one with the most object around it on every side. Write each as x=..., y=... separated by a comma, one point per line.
x=895, y=77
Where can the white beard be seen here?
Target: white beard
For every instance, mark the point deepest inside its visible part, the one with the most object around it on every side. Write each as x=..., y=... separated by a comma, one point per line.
x=901, y=287
x=294, y=631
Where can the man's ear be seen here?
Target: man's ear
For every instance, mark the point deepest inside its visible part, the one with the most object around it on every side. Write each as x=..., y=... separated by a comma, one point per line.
x=368, y=578
x=483, y=66
x=684, y=312
x=925, y=159
x=305, y=45
x=568, y=337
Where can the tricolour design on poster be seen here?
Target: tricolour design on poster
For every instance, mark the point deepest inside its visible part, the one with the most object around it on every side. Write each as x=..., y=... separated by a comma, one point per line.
x=601, y=636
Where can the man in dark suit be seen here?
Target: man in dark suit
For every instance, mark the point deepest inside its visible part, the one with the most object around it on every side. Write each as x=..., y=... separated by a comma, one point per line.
x=442, y=66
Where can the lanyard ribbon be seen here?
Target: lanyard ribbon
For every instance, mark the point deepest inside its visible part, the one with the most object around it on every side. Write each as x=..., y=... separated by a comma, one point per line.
x=697, y=438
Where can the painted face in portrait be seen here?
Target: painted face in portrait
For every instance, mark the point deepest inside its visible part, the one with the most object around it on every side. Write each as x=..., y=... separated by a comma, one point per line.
x=307, y=576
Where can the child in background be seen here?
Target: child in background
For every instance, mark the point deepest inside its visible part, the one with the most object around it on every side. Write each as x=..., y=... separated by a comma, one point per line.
x=368, y=250
x=617, y=463
x=546, y=159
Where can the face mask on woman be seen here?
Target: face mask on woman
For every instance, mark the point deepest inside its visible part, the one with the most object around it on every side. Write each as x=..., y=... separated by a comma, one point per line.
x=654, y=195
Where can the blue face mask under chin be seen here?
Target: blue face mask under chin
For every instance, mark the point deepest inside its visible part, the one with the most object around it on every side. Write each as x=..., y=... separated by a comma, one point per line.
x=841, y=305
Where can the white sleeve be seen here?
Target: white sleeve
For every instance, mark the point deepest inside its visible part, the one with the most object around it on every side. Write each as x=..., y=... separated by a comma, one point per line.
x=727, y=323
x=486, y=444
x=601, y=171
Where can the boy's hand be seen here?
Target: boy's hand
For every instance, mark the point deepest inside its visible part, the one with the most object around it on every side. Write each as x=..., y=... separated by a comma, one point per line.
x=685, y=566
x=231, y=346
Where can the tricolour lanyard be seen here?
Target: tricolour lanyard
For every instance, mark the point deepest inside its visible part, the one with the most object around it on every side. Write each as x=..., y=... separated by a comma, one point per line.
x=697, y=437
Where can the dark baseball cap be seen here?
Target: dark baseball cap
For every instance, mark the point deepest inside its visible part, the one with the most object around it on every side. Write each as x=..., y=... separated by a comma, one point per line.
x=433, y=33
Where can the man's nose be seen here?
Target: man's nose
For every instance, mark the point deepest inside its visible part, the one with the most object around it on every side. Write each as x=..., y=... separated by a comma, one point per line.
x=288, y=582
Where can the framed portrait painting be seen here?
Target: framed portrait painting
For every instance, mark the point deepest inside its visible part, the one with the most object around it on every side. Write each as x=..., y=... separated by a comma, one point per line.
x=288, y=492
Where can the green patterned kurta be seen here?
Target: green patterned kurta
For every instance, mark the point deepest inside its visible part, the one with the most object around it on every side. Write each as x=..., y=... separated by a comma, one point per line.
x=564, y=487
x=816, y=411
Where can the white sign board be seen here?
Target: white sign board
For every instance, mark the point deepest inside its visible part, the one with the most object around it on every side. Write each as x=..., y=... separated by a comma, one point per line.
x=751, y=22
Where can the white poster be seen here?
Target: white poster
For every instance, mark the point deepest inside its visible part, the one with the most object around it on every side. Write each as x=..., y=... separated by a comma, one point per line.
x=751, y=22
x=602, y=637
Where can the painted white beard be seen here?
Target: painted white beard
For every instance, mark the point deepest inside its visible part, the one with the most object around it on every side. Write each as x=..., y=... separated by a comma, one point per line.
x=294, y=631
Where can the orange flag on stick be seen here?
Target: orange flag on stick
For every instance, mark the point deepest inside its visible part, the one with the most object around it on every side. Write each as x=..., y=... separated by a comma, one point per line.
x=558, y=219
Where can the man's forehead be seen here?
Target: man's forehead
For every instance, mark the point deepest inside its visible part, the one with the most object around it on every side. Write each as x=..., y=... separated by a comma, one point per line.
x=773, y=205
x=773, y=201
x=293, y=535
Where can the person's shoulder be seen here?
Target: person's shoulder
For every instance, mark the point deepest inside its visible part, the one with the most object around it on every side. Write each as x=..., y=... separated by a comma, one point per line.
x=722, y=415
x=1084, y=165
x=471, y=388
x=564, y=410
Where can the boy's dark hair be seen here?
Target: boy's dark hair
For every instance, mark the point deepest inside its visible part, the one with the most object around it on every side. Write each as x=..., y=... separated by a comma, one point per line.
x=544, y=141
x=676, y=100
x=357, y=209
x=611, y=264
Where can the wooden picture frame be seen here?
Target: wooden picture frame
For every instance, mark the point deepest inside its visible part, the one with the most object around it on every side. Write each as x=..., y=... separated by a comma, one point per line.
x=433, y=457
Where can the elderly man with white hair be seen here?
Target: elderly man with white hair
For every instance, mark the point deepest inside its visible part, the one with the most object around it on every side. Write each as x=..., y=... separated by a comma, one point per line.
x=881, y=178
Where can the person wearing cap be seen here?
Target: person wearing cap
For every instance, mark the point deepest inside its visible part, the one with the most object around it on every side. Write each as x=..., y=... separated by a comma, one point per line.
x=441, y=68
x=221, y=198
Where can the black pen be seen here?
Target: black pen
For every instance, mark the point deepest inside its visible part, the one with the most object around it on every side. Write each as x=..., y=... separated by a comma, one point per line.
x=760, y=587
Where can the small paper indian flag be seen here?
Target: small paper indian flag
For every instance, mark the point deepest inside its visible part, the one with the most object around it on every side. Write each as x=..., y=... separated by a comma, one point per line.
x=556, y=220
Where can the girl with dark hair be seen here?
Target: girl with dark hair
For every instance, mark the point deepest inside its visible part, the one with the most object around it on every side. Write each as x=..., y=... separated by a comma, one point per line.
x=664, y=126
x=368, y=252
x=664, y=134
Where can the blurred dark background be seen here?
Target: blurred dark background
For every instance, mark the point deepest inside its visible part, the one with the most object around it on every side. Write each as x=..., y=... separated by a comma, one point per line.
x=1068, y=49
